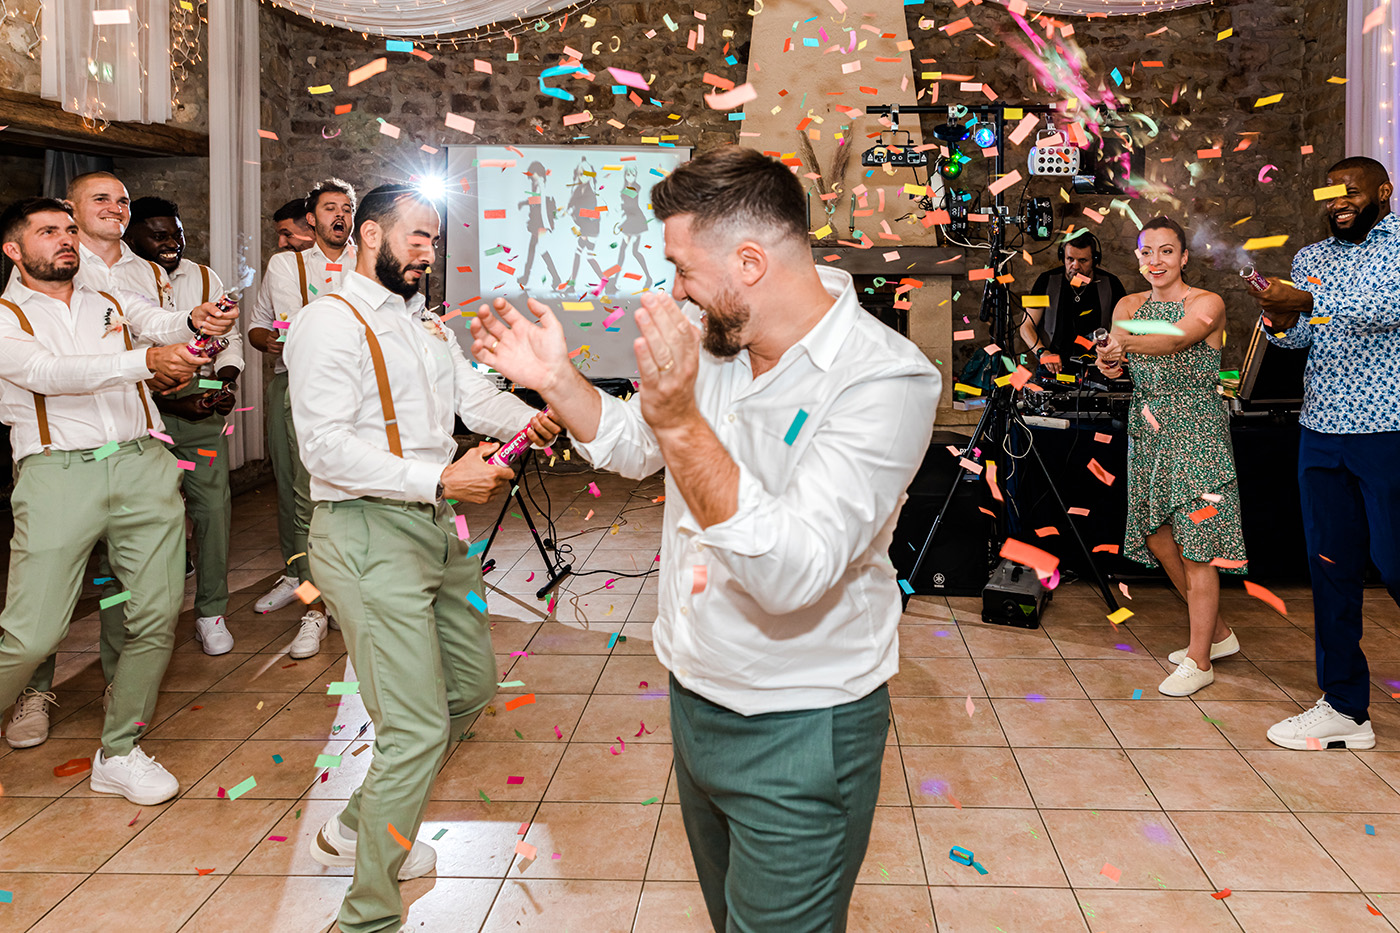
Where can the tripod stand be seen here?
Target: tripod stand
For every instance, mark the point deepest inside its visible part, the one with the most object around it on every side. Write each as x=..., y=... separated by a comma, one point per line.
x=555, y=569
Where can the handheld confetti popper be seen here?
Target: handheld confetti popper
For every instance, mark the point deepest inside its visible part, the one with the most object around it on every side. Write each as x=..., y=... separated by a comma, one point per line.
x=205, y=345
x=1100, y=337
x=1255, y=281
x=512, y=449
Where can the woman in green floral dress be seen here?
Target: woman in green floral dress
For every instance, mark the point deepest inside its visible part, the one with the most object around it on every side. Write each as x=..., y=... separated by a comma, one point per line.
x=1183, y=501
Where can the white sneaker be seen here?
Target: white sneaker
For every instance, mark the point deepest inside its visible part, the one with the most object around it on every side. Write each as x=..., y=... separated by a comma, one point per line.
x=136, y=776
x=29, y=723
x=106, y=699
x=1328, y=727
x=1186, y=680
x=309, y=636
x=330, y=620
x=283, y=594
x=334, y=847
x=1218, y=649
x=213, y=635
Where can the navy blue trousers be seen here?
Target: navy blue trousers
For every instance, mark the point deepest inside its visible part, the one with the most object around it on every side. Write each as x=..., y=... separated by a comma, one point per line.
x=1351, y=510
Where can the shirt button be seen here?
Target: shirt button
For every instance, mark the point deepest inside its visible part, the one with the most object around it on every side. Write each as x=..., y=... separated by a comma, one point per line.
x=730, y=417
x=685, y=611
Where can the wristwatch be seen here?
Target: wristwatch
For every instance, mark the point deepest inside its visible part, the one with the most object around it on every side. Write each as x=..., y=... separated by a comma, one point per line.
x=440, y=491
x=189, y=322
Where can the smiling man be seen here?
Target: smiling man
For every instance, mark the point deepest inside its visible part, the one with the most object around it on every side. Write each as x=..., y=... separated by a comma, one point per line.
x=789, y=425
x=293, y=279
x=1344, y=305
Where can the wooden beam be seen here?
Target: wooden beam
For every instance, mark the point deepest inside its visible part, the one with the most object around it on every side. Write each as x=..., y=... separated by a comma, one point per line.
x=33, y=121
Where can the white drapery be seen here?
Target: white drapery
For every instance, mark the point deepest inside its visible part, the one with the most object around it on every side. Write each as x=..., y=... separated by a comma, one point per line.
x=418, y=18
x=1110, y=7
x=107, y=72
x=235, y=195
x=1373, y=80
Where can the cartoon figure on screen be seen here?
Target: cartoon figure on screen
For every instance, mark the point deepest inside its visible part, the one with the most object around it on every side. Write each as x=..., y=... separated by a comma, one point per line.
x=634, y=223
x=542, y=213
x=583, y=207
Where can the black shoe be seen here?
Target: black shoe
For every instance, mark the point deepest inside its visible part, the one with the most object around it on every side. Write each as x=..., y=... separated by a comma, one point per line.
x=189, y=565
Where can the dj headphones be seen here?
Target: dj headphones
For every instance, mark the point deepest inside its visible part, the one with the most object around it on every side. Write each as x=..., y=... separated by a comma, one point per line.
x=1081, y=241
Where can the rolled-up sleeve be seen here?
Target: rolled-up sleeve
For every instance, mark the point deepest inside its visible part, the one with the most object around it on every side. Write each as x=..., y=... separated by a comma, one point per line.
x=789, y=550
x=151, y=323
x=624, y=443
x=25, y=362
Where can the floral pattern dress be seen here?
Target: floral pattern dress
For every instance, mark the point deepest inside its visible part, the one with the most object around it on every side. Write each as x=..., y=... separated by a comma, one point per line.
x=1181, y=468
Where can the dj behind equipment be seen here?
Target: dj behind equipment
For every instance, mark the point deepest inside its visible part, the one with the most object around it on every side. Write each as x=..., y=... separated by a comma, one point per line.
x=1074, y=300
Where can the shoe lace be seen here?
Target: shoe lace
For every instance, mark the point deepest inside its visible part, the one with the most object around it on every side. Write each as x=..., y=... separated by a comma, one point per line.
x=33, y=702
x=1311, y=716
x=139, y=763
x=311, y=621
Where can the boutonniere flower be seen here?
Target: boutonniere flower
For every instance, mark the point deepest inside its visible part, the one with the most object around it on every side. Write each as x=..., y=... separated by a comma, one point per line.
x=434, y=326
x=112, y=322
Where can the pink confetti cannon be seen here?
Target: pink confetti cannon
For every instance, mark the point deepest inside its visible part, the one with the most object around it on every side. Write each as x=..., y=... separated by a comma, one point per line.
x=1101, y=340
x=512, y=449
x=205, y=345
x=1254, y=279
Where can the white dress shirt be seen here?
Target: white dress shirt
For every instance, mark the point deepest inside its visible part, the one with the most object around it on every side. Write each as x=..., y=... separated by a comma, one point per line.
x=88, y=375
x=799, y=607
x=335, y=398
x=183, y=292
x=280, y=296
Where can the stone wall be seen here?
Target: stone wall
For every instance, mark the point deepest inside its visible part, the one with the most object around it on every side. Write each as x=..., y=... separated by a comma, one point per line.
x=19, y=49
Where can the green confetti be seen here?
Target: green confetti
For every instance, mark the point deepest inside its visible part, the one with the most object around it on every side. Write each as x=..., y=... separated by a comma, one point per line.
x=110, y=601
x=439, y=834
x=342, y=688
x=1150, y=327
x=106, y=450
x=482, y=794
x=649, y=801
x=518, y=735
x=328, y=761
x=512, y=683
x=240, y=789
x=211, y=384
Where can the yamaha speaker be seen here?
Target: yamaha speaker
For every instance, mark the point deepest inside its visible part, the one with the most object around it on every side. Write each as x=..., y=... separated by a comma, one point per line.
x=960, y=559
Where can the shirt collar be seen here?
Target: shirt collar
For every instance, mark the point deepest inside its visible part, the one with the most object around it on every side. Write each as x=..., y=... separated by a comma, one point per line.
x=828, y=335
x=86, y=256
x=347, y=255
x=1387, y=225
x=376, y=297
x=20, y=293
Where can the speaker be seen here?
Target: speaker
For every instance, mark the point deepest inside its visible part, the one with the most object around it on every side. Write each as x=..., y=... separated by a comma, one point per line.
x=960, y=559
x=1272, y=377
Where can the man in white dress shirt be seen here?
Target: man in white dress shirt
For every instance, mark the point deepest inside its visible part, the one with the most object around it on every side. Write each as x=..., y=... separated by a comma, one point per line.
x=376, y=380
x=71, y=391
x=294, y=279
x=788, y=446
x=195, y=416
x=293, y=229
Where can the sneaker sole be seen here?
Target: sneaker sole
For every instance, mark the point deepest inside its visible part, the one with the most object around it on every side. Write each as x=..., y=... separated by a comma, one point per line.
x=1301, y=745
x=205, y=648
x=262, y=612
x=102, y=787
x=303, y=657
x=335, y=860
x=26, y=743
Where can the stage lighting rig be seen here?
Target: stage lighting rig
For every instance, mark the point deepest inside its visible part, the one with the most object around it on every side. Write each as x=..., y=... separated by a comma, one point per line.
x=900, y=156
x=950, y=167
x=984, y=135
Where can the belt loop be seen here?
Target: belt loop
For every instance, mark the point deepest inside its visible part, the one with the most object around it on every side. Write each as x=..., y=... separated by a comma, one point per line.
x=67, y=458
x=140, y=443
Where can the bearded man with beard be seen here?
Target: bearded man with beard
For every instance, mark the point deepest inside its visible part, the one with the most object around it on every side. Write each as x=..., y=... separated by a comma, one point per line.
x=292, y=280
x=790, y=425
x=376, y=380
x=1343, y=306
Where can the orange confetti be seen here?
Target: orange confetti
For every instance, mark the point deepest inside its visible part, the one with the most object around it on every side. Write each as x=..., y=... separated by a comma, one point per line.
x=398, y=837
x=1028, y=554
x=520, y=701
x=307, y=592
x=1202, y=514
x=1100, y=473
x=1258, y=592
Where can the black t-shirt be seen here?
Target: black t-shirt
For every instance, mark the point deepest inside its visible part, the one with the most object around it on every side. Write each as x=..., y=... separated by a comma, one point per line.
x=1079, y=312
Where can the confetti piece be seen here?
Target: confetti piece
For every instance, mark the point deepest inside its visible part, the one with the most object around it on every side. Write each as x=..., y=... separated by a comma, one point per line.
x=1149, y=327
x=110, y=601
x=520, y=701
x=328, y=761
x=1204, y=513
x=1370, y=830
x=1260, y=593
x=796, y=426
x=1374, y=912
x=307, y=592
x=524, y=848
x=476, y=602
x=515, y=779
x=1221, y=894
x=204, y=871
x=1266, y=242
x=728, y=100
x=1100, y=473
x=960, y=855
x=398, y=837
x=1314, y=744
x=630, y=78
x=649, y=801
x=320, y=89
x=1137, y=694
x=455, y=122
x=906, y=587
x=161, y=437
x=1266, y=101
x=106, y=450
x=1120, y=615
x=73, y=766
x=970, y=707
x=1329, y=192
x=1043, y=562
x=593, y=490
x=238, y=790
x=343, y=688
x=1006, y=181
x=439, y=834
x=398, y=45
x=366, y=72
x=699, y=574
x=277, y=759
x=1111, y=873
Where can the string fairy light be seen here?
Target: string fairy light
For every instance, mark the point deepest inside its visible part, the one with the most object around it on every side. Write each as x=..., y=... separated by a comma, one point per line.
x=455, y=40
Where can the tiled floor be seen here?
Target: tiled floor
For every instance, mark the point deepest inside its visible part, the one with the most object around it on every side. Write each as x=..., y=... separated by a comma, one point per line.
x=1056, y=781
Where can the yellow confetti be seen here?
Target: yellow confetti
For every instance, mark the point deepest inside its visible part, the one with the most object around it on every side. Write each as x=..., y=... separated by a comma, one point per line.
x=1336, y=80
x=823, y=232
x=1224, y=34
x=1319, y=320
x=965, y=389
x=576, y=305
x=320, y=89
x=1121, y=615
x=1265, y=242
x=1014, y=113
x=1329, y=192
x=1035, y=301
x=1266, y=101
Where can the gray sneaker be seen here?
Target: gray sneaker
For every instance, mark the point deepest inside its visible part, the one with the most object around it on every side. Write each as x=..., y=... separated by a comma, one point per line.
x=29, y=723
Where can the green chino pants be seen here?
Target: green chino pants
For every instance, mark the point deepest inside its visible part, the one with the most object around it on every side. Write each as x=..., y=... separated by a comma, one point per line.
x=208, y=504
x=778, y=808
x=64, y=503
x=397, y=578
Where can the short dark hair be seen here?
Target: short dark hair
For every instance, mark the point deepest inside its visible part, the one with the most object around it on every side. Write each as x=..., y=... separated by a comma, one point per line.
x=1373, y=171
x=326, y=186
x=148, y=207
x=77, y=181
x=734, y=187
x=295, y=209
x=381, y=205
x=1163, y=222
x=15, y=218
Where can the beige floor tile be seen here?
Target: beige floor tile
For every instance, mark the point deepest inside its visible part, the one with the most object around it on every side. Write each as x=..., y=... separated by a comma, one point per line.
x=316, y=716
x=637, y=638
x=936, y=677
x=534, y=721
x=76, y=834
x=35, y=893
x=672, y=907
x=944, y=721
x=1386, y=764
x=546, y=904
x=1096, y=641
x=299, y=824
x=930, y=640
x=554, y=673
x=1237, y=679
x=485, y=767
x=1150, y=723
x=195, y=671
x=1015, y=910
x=1053, y=723
x=1271, y=643
x=1297, y=679
x=1259, y=852
x=261, y=902
x=194, y=834
x=287, y=779
x=626, y=675
x=893, y=791
x=1154, y=911
x=28, y=772
x=893, y=855
x=886, y=908
x=480, y=837
x=559, y=638
x=1324, y=781
x=1144, y=846
x=973, y=777
x=277, y=672
x=1003, y=641
x=1117, y=679
x=150, y=903
x=14, y=811
x=1083, y=778
x=1011, y=844
x=436, y=903
x=222, y=716
x=670, y=852
x=1301, y=912
x=512, y=636
x=1245, y=723
x=1028, y=677
x=608, y=716
x=593, y=773
x=571, y=831
x=1369, y=860
x=1203, y=779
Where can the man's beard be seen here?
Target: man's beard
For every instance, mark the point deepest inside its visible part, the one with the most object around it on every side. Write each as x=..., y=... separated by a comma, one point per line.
x=390, y=273
x=1365, y=219
x=334, y=238
x=48, y=270
x=725, y=319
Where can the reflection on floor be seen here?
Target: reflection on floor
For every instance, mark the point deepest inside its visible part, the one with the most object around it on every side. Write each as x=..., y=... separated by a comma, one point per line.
x=1089, y=810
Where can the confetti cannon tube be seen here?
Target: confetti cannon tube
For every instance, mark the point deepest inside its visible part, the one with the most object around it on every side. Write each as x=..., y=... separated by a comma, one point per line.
x=1101, y=340
x=1255, y=281
x=512, y=449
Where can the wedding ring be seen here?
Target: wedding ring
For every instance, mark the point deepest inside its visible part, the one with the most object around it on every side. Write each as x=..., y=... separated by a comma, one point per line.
x=667, y=368
x=494, y=345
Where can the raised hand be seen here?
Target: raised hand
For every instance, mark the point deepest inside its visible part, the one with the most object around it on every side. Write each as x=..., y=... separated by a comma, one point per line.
x=531, y=353
x=542, y=429
x=213, y=320
x=172, y=367
x=668, y=359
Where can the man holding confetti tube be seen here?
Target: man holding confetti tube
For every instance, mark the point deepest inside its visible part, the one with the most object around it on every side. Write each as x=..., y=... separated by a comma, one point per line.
x=1343, y=305
x=89, y=471
x=788, y=443
x=375, y=382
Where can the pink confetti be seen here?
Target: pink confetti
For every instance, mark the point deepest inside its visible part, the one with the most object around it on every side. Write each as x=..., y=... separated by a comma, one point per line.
x=642, y=685
x=136, y=817
x=161, y=437
x=1110, y=872
x=728, y=100
x=643, y=730
x=700, y=575
x=530, y=577
x=185, y=464
x=629, y=78
x=593, y=489
x=515, y=779
x=462, y=533
x=557, y=733
x=276, y=838
x=1263, y=172
x=970, y=708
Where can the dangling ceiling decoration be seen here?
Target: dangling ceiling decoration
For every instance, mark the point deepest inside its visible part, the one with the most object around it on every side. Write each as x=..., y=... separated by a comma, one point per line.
x=427, y=19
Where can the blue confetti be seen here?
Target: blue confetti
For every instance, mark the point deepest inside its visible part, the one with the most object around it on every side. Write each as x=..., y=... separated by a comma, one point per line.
x=1117, y=75
x=904, y=585
x=796, y=427
x=476, y=601
x=398, y=45
x=1137, y=694
x=1370, y=830
x=476, y=548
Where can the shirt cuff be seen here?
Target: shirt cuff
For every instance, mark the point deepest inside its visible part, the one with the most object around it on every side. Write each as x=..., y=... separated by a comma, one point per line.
x=744, y=533
x=611, y=421
x=420, y=480
x=133, y=365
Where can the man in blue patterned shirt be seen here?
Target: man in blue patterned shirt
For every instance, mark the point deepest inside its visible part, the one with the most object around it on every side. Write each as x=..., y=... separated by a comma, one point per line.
x=1346, y=307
